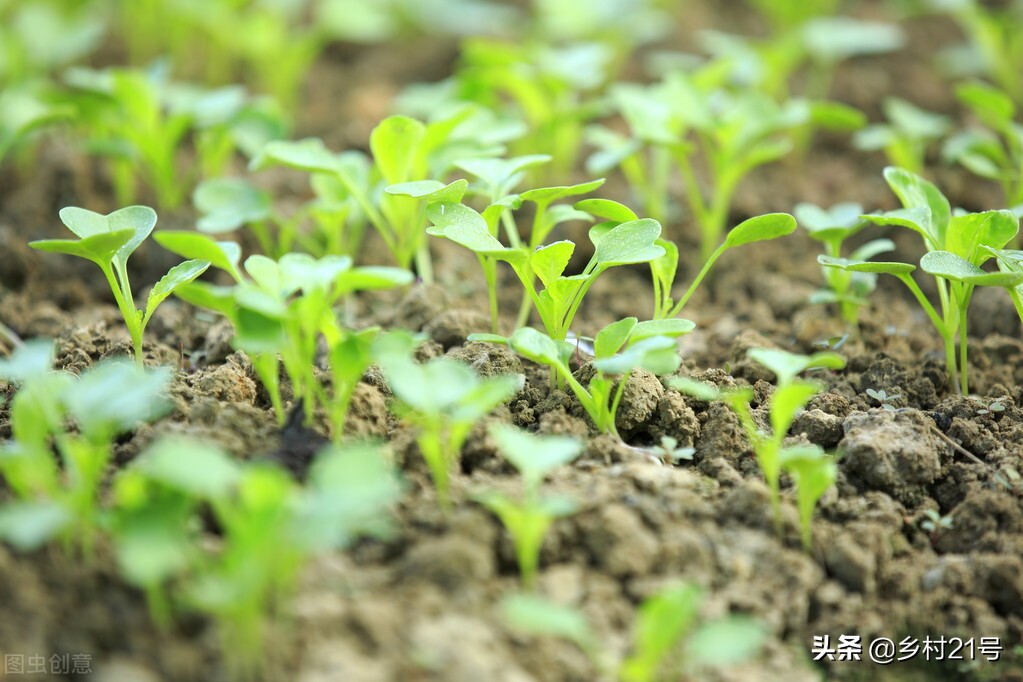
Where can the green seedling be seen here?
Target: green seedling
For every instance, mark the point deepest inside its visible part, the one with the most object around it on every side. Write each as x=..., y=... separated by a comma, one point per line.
x=906, y=135
x=934, y=522
x=108, y=241
x=689, y=118
x=957, y=246
x=41, y=38
x=619, y=349
x=790, y=396
x=409, y=158
x=270, y=527
x=883, y=398
x=670, y=635
x=994, y=407
x=284, y=309
x=528, y=518
x=1011, y=261
x=140, y=121
x=668, y=451
x=831, y=227
x=108, y=400
x=26, y=111
x=831, y=40
x=443, y=399
x=663, y=269
x=814, y=472
x=550, y=88
x=558, y=302
x=993, y=147
x=995, y=46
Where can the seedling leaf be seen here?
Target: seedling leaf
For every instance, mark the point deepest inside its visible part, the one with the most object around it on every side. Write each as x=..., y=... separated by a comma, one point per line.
x=760, y=228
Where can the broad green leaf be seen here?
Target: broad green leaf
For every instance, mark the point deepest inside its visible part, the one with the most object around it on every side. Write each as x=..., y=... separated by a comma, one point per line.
x=256, y=332
x=395, y=145
x=488, y=338
x=786, y=365
x=189, y=466
x=501, y=175
x=533, y=615
x=309, y=154
x=229, y=203
x=267, y=275
x=661, y=623
x=175, y=277
x=834, y=39
x=534, y=456
x=202, y=295
x=114, y=397
x=915, y=192
x=430, y=190
x=631, y=242
x=992, y=106
x=841, y=221
x=607, y=209
x=724, y=642
x=760, y=228
x=30, y=525
x=486, y=395
x=302, y=271
x=950, y=266
x=835, y=116
x=195, y=246
x=464, y=226
x=665, y=267
x=537, y=346
x=611, y=338
x=140, y=220
x=656, y=354
x=994, y=229
x=673, y=327
x=373, y=277
x=888, y=268
x=549, y=262
x=701, y=390
x=99, y=248
x=29, y=361
x=546, y=195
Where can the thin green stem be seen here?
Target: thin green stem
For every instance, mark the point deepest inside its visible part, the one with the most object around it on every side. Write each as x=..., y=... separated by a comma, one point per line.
x=707, y=265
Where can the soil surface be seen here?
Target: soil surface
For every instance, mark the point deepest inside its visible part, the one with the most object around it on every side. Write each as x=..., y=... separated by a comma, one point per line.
x=421, y=605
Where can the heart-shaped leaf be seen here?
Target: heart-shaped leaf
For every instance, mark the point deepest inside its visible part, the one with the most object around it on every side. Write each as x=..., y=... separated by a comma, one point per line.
x=786, y=366
x=607, y=209
x=993, y=229
x=949, y=266
x=549, y=262
x=229, y=203
x=915, y=192
x=631, y=242
x=139, y=219
x=538, y=347
x=99, y=248
x=395, y=145
x=656, y=354
x=611, y=338
x=533, y=455
x=760, y=228
x=465, y=226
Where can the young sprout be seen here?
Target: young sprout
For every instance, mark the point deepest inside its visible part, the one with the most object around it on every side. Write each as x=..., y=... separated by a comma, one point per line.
x=993, y=147
x=669, y=634
x=957, y=246
x=443, y=399
x=813, y=472
x=996, y=406
x=140, y=120
x=109, y=399
x=269, y=526
x=995, y=45
x=619, y=349
x=788, y=399
x=883, y=397
x=283, y=309
x=933, y=521
x=108, y=241
x=832, y=227
x=528, y=518
x=906, y=135
x=558, y=302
